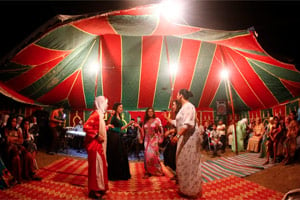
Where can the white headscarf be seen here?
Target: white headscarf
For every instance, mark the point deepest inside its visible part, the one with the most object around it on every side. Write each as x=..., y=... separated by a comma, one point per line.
x=101, y=104
x=244, y=121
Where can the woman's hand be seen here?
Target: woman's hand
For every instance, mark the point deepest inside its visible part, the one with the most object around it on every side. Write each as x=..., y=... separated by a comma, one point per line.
x=100, y=138
x=165, y=115
x=110, y=126
x=168, y=132
x=174, y=140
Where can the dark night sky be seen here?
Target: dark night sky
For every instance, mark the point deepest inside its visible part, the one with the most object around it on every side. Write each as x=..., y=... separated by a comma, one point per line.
x=276, y=22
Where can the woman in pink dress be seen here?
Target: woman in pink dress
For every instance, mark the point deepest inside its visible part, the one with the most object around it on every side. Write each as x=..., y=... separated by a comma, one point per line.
x=95, y=144
x=152, y=132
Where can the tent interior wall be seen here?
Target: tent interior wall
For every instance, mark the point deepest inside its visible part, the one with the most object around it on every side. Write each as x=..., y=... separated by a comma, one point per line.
x=9, y=105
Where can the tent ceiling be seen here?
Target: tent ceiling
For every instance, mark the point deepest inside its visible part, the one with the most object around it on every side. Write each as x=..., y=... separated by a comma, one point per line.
x=127, y=55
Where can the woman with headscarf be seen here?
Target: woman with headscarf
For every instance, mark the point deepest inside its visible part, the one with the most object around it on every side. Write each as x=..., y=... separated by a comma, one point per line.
x=188, y=166
x=240, y=135
x=117, y=156
x=95, y=144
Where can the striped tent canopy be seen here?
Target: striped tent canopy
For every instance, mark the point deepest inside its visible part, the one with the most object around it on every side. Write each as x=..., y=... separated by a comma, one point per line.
x=127, y=56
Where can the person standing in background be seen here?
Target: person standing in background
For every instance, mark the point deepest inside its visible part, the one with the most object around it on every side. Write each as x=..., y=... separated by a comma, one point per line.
x=56, y=122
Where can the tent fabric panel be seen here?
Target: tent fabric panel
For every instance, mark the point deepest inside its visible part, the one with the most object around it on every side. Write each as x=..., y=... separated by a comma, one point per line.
x=252, y=79
x=212, y=80
x=216, y=36
x=89, y=74
x=264, y=58
x=238, y=103
x=205, y=57
x=60, y=92
x=133, y=25
x=166, y=28
x=56, y=75
x=37, y=55
x=222, y=94
x=56, y=39
x=273, y=83
x=293, y=87
x=76, y=95
x=186, y=68
x=98, y=25
x=112, y=67
x=131, y=65
x=151, y=50
x=278, y=71
x=163, y=85
x=14, y=95
x=245, y=42
x=29, y=77
x=12, y=70
x=241, y=85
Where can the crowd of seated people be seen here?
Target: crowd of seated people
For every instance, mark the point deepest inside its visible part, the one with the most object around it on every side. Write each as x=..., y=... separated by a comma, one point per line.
x=213, y=137
x=18, y=148
x=276, y=137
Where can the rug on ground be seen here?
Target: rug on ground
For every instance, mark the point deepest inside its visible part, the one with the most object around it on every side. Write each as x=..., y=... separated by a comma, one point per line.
x=241, y=165
x=67, y=179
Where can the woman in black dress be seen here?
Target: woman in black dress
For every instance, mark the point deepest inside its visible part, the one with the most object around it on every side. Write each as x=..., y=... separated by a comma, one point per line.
x=117, y=155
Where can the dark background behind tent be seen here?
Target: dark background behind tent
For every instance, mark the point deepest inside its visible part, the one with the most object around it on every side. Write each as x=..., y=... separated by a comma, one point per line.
x=275, y=22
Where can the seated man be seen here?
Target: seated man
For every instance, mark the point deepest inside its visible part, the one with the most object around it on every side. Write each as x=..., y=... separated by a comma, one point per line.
x=254, y=141
x=215, y=141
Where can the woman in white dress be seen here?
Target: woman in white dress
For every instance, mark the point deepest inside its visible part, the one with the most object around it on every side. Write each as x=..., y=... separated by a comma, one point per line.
x=188, y=168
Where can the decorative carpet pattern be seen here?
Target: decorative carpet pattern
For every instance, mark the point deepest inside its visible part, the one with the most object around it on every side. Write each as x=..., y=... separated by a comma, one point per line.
x=67, y=179
x=241, y=165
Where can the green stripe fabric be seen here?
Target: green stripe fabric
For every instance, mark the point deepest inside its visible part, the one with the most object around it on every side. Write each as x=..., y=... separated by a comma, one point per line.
x=174, y=49
x=64, y=38
x=238, y=103
x=58, y=74
x=205, y=57
x=278, y=71
x=89, y=75
x=131, y=66
x=272, y=82
x=133, y=25
x=260, y=53
x=221, y=95
x=12, y=70
x=214, y=35
x=163, y=87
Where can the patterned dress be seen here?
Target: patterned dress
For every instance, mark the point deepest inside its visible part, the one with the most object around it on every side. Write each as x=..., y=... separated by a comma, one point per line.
x=153, y=137
x=188, y=166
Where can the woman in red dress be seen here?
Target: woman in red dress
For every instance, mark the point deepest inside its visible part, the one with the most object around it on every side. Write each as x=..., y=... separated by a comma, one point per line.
x=95, y=144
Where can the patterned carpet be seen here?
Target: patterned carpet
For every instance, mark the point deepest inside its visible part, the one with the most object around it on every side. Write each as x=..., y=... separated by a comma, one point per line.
x=241, y=165
x=67, y=179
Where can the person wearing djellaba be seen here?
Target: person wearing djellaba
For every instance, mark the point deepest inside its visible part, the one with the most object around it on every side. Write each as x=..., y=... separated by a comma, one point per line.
x=95, y=144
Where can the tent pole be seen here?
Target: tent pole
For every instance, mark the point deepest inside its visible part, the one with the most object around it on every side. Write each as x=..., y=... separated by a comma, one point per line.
x=168, y=59
x=233, y=116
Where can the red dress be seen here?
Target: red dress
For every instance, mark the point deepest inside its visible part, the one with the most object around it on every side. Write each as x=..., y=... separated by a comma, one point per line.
x=97, y=165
